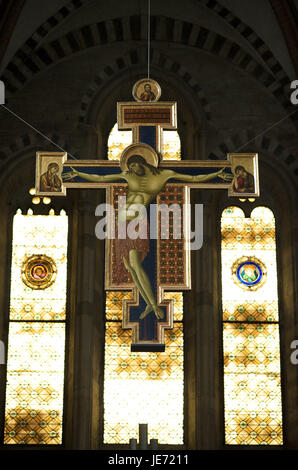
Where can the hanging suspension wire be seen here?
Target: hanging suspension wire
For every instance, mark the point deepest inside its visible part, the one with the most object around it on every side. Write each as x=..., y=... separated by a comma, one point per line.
x=148, y=51
x=37, y=131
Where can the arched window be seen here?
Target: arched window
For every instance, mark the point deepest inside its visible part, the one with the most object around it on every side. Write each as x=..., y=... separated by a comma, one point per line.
x=36, y=339
x=118, y=140
x=142, y=387
x=252, y=387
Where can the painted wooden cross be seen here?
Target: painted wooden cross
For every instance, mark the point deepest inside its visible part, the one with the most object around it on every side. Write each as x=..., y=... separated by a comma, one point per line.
x=148, y=243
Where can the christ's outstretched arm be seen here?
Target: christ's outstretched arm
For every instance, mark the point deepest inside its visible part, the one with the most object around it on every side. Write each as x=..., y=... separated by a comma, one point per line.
x=93, y=178
x=198, y=178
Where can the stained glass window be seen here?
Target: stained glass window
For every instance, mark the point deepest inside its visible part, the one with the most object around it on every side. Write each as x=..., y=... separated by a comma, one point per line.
x=171, y=147
x=142, y=387
x=36, y=341
x=252, y=382
x=118, y=140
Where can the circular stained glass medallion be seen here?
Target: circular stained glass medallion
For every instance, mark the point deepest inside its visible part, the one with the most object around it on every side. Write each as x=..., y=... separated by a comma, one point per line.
x=249, y=273
x=39, y=271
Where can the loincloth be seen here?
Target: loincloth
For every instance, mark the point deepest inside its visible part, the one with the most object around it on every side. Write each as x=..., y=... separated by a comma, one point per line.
x=123, y=246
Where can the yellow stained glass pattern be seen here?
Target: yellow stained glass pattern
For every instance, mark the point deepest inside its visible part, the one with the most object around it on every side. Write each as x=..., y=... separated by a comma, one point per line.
x=253, y=412
x=252, y=384
x=45, y=235
x=34, y=393
x=114, y=304
x=177, y=298
x=143, y=387
x=117, y=142
x=171, y=148
x=251, y=237
x=35, y=363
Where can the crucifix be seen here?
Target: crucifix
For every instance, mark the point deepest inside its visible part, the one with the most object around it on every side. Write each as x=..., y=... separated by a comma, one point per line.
x=146, y=252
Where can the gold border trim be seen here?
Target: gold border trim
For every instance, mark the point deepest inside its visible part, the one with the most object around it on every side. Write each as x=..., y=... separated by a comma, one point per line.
x=57, y=157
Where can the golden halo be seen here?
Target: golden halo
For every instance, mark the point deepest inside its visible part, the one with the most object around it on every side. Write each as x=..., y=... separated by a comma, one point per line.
x=146, y=151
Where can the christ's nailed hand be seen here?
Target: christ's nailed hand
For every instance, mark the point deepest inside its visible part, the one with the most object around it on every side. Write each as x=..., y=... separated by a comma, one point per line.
x=70, y=174
x=225, y=176
x=74, y=172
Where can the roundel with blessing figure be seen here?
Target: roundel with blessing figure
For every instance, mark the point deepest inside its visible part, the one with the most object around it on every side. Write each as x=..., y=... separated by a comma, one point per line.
x=249, y=273
x=39, y=271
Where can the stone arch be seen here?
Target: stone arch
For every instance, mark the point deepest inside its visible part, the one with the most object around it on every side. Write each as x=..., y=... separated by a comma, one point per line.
x=241, y=141
x=99, y=104
x=10, y=154
x=251, y=37
x=159, y=60
x=247, y=33
x=130, y=29
x=41, y=32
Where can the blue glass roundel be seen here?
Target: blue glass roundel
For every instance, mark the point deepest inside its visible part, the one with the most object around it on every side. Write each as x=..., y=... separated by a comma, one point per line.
x=249, y=273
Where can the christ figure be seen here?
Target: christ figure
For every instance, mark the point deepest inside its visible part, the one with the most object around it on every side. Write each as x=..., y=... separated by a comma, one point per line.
x=144, y=181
